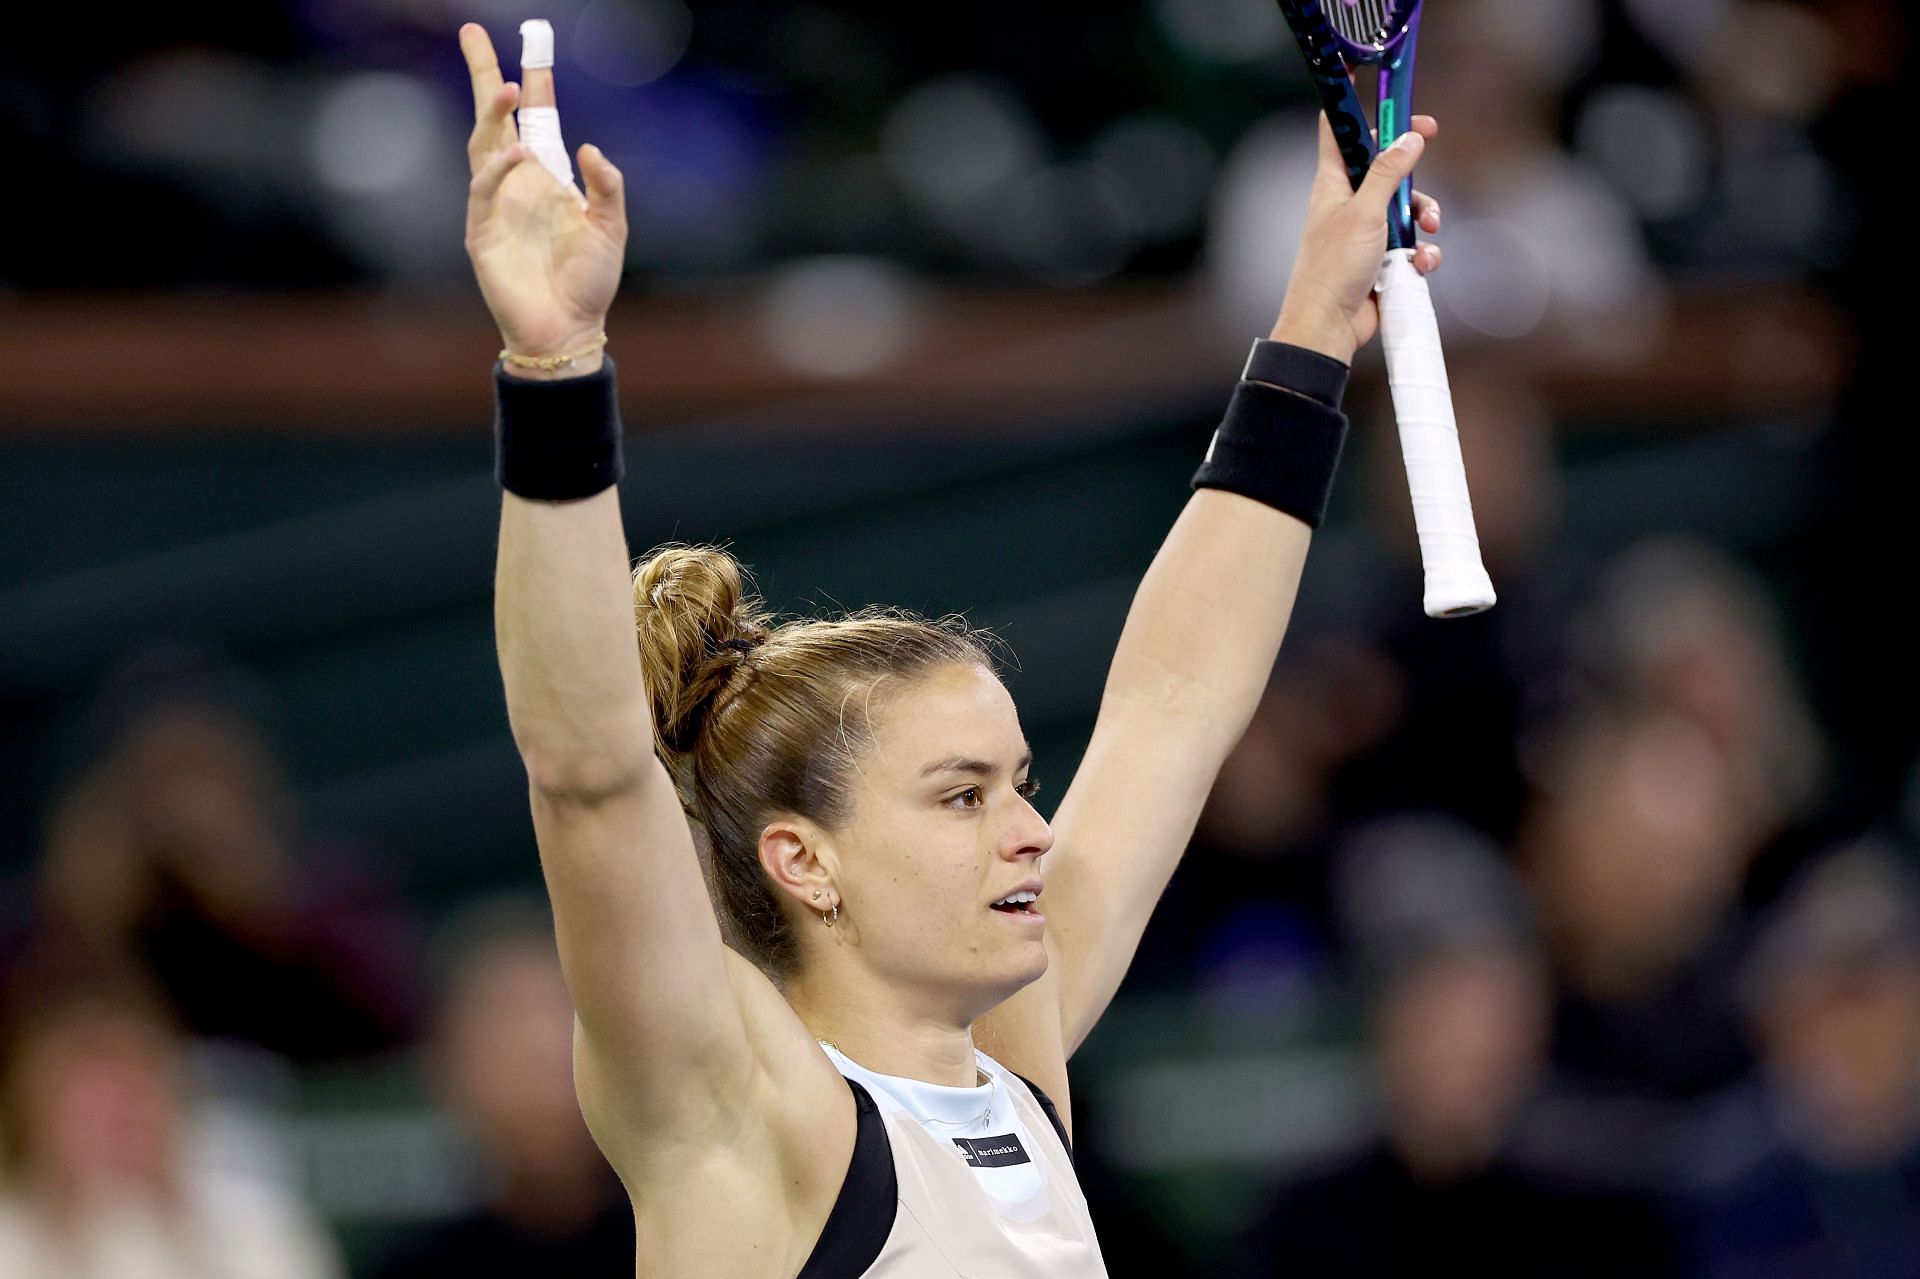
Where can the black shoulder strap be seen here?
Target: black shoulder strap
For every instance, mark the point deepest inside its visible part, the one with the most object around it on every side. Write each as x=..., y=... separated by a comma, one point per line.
x=862, y=1215
x=1053, y=1115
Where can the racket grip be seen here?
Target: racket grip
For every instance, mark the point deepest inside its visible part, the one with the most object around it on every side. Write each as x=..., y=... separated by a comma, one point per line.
x=1456, y=580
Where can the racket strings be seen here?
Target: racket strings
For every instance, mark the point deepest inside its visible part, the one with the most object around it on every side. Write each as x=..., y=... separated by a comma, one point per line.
x=1363, y=22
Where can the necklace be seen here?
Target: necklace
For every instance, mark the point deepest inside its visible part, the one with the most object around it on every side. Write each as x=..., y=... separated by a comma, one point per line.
x=984, y=1117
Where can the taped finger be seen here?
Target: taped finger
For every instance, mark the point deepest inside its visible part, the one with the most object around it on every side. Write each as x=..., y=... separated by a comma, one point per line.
x=540, y=121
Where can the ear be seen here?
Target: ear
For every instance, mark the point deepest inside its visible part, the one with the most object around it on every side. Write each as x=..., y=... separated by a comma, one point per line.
x=799, y=858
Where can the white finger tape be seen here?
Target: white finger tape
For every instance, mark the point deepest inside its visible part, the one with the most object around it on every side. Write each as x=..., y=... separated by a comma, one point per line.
x=536, y=43
x=540, y=126
x=540, y=131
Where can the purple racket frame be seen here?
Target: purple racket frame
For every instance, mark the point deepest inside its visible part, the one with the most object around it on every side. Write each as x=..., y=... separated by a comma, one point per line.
x=1388, y=44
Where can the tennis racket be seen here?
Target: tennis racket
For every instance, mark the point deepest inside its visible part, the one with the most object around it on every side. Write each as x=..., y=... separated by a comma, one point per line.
x=1339, y=38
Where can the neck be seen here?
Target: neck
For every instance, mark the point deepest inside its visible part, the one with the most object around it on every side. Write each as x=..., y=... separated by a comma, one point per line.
x=885, y=1028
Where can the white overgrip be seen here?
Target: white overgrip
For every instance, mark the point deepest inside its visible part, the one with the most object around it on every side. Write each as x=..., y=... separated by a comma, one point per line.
x=1456, y=580
x=540, y=126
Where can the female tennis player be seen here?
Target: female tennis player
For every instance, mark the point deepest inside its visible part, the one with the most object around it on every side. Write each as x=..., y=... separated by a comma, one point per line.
x=833, y=1041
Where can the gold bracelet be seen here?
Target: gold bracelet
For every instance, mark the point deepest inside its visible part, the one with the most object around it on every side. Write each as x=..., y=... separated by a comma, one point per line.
x=548, y=363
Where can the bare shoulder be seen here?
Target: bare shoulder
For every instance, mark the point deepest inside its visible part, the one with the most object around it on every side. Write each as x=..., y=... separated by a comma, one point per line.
x=744, y=1178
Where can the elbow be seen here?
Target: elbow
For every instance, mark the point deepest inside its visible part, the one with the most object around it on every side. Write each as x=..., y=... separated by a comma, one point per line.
x=1155, y=698
x=591, y=779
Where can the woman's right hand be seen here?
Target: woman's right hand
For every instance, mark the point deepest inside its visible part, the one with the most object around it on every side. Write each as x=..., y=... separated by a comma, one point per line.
x=548, y=261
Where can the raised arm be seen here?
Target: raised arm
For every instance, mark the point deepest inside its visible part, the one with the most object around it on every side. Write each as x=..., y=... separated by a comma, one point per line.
x=641, y=949
x=1201, y=638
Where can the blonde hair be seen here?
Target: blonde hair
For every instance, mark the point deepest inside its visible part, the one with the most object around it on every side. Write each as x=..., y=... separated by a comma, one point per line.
x=756, y=717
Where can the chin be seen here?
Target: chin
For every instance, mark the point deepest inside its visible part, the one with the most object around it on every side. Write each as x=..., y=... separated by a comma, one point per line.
x=1030, y=966
x=1017, y=968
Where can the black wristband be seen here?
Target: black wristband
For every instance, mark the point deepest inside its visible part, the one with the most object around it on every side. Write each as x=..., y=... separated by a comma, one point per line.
x=1298, y=369
x=1279, y=447
x=557, y=441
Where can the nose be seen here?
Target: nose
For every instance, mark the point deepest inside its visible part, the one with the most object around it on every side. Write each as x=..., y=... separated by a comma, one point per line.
x=1027, y=835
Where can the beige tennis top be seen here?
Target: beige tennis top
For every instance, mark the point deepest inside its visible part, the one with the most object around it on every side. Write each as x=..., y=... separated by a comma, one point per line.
x=956, y=1183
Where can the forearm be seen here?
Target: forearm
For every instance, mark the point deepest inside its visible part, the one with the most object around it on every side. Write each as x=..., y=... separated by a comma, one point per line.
x=1208, y=619
x=563, y=604
x=563, y=624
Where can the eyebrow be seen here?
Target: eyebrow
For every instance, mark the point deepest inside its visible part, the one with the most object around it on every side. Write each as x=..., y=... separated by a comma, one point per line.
x=978, y=767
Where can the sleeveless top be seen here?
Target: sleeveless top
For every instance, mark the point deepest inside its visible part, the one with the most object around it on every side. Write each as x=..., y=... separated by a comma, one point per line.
x=956, y=1183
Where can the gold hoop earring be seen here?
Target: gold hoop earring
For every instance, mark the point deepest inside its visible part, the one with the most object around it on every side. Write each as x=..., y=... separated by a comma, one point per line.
x=830, y=919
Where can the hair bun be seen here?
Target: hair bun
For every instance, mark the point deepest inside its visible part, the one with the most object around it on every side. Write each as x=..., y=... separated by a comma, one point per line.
x=696, y=622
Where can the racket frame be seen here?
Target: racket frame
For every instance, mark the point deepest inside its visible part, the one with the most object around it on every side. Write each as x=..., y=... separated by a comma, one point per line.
x=1331, y=58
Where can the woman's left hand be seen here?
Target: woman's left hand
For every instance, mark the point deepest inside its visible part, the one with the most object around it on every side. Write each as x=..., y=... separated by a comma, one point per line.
x=1330, y=305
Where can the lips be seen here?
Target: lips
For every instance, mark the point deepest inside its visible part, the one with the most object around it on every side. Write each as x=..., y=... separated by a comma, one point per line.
x=1021, y=901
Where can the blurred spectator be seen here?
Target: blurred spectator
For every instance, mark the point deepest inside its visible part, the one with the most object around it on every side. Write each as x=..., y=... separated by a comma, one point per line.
x=179, y=852
x=1424, y=883
x=1458, y=1031
x=503, y=1060
x=1814, y=1173
x=1693, y=756
x=1635, y=853
x=1636, y=850
x=1681, y=627
x=101, y=1182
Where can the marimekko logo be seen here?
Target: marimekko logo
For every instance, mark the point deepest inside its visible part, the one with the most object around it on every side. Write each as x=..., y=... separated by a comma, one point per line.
x=992, y=1152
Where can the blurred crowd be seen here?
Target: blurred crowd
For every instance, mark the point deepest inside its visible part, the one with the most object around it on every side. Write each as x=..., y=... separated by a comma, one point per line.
x=1603, y=152
x=1612, y=888
x=1636, y=1000
x=192, y=959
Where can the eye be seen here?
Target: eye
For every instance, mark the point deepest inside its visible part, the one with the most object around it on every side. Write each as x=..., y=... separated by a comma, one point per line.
x=1028, y=789
x=968, y=798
